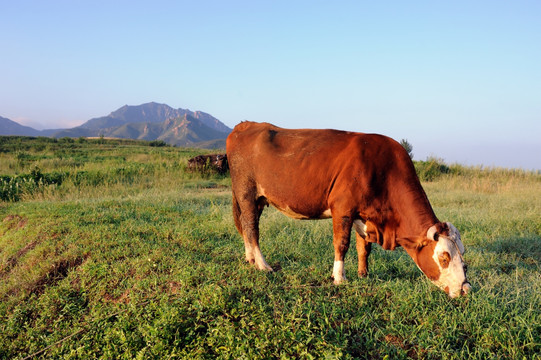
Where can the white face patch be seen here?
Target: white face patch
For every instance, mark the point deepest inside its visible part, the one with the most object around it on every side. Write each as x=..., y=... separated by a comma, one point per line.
x=452, y=274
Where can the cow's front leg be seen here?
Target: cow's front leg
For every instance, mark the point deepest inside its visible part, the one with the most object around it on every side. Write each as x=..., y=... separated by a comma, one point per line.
x=341, y=234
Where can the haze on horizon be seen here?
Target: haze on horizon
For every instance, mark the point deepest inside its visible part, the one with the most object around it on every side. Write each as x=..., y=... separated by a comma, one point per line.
x=461, y=80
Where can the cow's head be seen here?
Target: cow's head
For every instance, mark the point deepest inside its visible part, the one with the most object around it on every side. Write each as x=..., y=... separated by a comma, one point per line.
x=439, y=256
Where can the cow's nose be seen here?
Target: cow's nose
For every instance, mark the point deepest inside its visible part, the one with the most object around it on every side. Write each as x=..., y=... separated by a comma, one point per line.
x=466, y=287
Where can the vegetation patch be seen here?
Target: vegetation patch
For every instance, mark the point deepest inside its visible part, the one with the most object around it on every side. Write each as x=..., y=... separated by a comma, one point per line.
x=57, y=272
x=133, y=256
x=431, y=169
x=12, y=260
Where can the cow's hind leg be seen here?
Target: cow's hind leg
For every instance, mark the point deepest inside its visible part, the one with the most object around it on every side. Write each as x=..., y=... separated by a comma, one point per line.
x=236, y=213
x=238, y=224
x=363, y=247
x=341, y=233
x=247, y=216
x=363, y=250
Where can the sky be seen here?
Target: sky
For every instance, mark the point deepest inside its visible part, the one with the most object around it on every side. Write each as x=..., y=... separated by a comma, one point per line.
x=460, y=80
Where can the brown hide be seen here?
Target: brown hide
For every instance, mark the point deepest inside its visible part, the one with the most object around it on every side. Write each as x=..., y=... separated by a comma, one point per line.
x=305, y=173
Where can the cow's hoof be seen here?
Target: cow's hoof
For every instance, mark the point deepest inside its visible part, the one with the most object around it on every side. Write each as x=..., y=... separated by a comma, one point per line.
x=340, y=281
x=265, y=267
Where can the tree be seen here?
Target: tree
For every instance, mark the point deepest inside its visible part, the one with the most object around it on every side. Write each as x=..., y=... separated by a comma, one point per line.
x=406, y=145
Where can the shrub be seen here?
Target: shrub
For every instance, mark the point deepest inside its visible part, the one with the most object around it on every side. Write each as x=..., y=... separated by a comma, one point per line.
x=431, y=169
x=88, y=178
x=13, y=187
x=157, y=143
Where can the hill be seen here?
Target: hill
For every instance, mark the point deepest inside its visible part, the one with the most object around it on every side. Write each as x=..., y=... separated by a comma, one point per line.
x=153, y=121
x=10, y=127
x=150, y=121
x=151, y=113
x=181, y=131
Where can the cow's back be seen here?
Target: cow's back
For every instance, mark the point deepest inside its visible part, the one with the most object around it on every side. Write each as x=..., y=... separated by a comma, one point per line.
x=297, y=170
x=305, y=172
x=262, y=147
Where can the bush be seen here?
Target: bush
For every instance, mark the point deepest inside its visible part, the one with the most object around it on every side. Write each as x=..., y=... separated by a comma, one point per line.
x=88, y=178
x=13, y=187
x=157, y=143
x=431, y=169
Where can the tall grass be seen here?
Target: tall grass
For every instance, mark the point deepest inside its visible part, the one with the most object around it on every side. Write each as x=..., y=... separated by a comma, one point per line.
x=55, y=169
x=140, y=259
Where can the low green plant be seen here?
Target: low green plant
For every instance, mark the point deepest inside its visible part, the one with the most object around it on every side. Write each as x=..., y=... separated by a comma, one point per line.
x=147, y=263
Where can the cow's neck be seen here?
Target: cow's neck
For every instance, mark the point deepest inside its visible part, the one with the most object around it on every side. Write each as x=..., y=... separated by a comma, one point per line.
x=415, y=213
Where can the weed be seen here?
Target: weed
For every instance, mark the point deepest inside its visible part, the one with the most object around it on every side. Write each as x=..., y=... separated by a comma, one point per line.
x=116, y=251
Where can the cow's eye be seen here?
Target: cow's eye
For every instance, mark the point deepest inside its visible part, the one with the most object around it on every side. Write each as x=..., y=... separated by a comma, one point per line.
x=445, y=258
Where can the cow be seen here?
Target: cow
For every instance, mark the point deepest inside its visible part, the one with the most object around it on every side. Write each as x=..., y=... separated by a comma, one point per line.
x=216, y=162
x=362, y=181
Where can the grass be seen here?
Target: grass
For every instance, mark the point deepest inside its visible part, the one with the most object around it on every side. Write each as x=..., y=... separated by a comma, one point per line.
x=140, y=259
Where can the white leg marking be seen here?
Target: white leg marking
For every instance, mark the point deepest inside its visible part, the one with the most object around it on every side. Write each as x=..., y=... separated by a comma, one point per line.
x=338, y=272
x=260, y=262
x=248, y=252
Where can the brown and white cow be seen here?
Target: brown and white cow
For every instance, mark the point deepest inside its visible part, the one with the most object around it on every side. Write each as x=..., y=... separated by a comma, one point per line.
x=364, y=181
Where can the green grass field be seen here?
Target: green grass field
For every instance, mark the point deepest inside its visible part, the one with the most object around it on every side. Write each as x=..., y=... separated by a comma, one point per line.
x=112, y=249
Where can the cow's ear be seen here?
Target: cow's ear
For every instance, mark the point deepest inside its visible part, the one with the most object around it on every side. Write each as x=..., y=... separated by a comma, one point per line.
x=438, y=229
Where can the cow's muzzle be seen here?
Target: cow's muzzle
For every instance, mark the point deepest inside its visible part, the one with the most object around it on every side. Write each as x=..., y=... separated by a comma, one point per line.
x=466, y=287
x=464, y=290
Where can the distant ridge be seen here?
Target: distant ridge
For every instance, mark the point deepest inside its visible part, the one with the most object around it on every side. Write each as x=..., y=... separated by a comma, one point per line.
x=150, y=121
x=152, y=113
x=10, y=127
x=181, y=131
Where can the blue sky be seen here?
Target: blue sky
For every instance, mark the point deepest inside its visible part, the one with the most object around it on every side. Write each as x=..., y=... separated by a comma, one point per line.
x=460, y=80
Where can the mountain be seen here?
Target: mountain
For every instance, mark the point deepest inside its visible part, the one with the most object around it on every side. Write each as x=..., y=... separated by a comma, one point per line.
x=184, y=130
x=151, y=121
x=10, y=127
x=151, y=113
x=181, y=131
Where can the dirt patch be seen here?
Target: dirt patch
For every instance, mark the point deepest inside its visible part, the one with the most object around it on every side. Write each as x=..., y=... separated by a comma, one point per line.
x=122, y=299
x=15, y=222
x=12, y=260
x=174, y=287
x=58, y=271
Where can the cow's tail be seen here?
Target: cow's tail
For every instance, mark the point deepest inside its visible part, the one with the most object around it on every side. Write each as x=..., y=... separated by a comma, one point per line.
x=236, y=213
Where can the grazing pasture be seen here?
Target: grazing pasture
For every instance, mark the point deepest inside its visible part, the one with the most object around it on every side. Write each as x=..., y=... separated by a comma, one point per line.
x=112, y=249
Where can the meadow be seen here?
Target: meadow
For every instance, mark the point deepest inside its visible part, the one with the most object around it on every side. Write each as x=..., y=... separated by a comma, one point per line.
x=111, y=249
